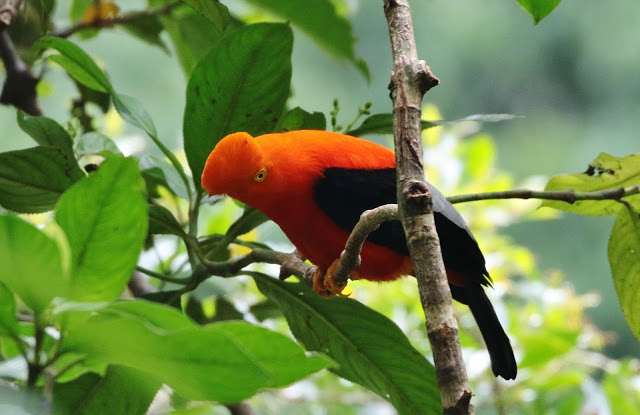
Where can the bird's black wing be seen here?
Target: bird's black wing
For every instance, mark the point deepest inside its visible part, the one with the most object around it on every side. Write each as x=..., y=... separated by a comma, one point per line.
x=343, y=194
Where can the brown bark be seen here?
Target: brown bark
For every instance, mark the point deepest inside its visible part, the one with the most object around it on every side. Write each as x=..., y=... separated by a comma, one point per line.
x=410, y=79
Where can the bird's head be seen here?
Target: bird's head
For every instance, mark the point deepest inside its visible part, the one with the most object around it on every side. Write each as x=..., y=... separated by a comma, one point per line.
x=235, y=167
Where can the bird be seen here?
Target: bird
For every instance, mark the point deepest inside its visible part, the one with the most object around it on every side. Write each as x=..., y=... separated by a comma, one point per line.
x=315, y=184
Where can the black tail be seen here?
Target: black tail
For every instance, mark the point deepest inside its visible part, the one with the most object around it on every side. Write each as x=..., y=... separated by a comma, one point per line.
x=503, y=362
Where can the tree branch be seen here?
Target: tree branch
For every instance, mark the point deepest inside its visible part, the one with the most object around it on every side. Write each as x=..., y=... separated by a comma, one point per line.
x=8, y=9
x=410, y=80
x=19, y=87
x=568, y=196
x=122, y=19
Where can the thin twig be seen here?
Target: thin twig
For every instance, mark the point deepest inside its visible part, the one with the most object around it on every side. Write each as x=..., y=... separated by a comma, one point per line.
x=568, y=196
x=124, y=18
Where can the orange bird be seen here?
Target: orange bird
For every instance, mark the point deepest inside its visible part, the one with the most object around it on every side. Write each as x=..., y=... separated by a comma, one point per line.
x=316, y=184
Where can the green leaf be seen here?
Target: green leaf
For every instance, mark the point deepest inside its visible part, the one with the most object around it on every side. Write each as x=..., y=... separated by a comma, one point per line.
x=319, y=20
x=132, y=111
x=241, y=85
x=538, y=9
x=370, y=349
x=383, y=123
x=76, y=62
x=618, y=384
x=93, y=394
x=161, y=221
x=32, y=180
x=251, y=218
x=147, y=29
x=624, y=259
x=192, y=34
x=105, y=219
x=216, y=12
x=605, y=172
x=299, y=119
x=46, y=132
x=32, y=264
x=95, y=143
x=224, y=362
x=8, y=320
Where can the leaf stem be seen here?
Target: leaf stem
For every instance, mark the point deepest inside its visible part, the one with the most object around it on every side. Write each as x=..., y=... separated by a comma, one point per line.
x=162, y=277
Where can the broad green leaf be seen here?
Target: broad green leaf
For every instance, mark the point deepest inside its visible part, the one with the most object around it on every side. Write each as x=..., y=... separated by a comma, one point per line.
x=538, y=9
x=319, y=20
x=224, y=362
x=216, y=12
x=383, y=123
x=299, y=119
x=32, y=180
x=241, y=85
x=8, y=320
x=370, y=349
x=32, y=264
x=105, y=219
x=605, y=172
x=624, y=259
x=76, y=62
x=134, y=113
x=95, y=143
x=122, y=391
x=163, y=173
x=46, y=132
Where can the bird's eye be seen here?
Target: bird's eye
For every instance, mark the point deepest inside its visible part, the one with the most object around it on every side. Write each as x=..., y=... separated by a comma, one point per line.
x=261, y=175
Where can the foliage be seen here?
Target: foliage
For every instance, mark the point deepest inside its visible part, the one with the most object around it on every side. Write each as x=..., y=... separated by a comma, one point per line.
x=199, y=333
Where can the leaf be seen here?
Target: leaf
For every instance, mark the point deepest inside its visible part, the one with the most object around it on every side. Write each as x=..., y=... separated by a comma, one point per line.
x=216, y=12
x=163, y=173
x=134, y=113
x=192, y=34
x=370, y=349
x=76, y=62
x=32, y=180
x=624, y=259
x=319, y=20
x=105, y=219
x=147, y=29
x=251, y=218
x=299, y=119
x=605, y=172
x=383, y=123
x=538, y=9
x=32, y=264
x=78, y=8
x=8, y=320
x=618, y=384
x=46, y=132
x=241, y=85
x=93, y=394
x=161, y=221
x=224, y=362
x=95, y=143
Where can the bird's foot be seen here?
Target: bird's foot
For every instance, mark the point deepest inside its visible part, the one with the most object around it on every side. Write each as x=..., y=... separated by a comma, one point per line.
x=324, y=284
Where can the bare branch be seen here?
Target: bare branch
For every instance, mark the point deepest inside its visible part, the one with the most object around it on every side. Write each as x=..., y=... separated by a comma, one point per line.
x=124, y=18
x=8, y=10
x=410, y=79
x=568, y=196
x=369, y=221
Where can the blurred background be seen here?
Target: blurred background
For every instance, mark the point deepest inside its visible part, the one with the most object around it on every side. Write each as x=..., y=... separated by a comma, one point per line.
x=574, y=79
